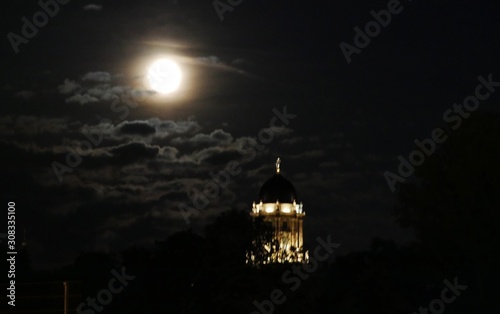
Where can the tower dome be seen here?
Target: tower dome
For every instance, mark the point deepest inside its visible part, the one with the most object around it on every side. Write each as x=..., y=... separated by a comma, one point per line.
x=277, y=189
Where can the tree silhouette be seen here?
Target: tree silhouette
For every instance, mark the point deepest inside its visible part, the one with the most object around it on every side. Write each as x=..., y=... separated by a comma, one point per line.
x=229, y=237
x=264, y=244
x=453, y=203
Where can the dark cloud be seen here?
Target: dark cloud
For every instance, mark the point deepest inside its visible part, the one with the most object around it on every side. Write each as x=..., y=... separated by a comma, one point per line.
x=168, y=153
x=68, y=86
x=169, y=127
x=25, y=94
x=174, y=196
x=139, y=128
x=32, y=125
x=81, y=99
x=134, y=151
x=211, y=60
x=98, y=76
x=107, y=92
x=96, y=86
x=218, y=157
x=217, y=137
x=92, y=7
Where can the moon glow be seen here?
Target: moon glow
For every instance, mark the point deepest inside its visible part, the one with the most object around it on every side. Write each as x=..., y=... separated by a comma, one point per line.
x=164, y=76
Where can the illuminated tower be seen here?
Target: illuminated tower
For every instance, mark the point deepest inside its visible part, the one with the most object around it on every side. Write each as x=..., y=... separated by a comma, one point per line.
x=278, y=206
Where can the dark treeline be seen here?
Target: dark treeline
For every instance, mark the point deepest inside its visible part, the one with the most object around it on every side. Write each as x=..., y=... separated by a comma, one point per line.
x=452, y=201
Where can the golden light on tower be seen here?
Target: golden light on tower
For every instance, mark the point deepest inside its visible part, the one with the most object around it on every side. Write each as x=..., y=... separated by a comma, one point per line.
x=278, y=207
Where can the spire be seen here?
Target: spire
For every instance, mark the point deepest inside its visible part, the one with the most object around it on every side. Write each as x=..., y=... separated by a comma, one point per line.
x=278, y=163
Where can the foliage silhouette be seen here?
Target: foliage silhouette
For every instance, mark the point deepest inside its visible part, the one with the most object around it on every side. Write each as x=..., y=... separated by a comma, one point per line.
x=454, y=201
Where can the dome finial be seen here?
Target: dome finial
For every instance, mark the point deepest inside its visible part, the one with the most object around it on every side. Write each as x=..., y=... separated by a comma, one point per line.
x=278, y=163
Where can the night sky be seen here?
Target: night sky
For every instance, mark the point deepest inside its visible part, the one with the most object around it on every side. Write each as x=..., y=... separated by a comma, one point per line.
x=84, y=72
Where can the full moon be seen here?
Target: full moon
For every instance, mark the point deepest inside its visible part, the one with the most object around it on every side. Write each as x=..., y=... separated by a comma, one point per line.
x=164, y=76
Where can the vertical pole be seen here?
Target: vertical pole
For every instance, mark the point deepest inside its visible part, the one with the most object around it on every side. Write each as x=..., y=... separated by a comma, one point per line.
x=65, y=283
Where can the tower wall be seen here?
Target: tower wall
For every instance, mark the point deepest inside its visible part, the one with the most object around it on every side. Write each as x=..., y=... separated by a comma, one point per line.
x=287, y=221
